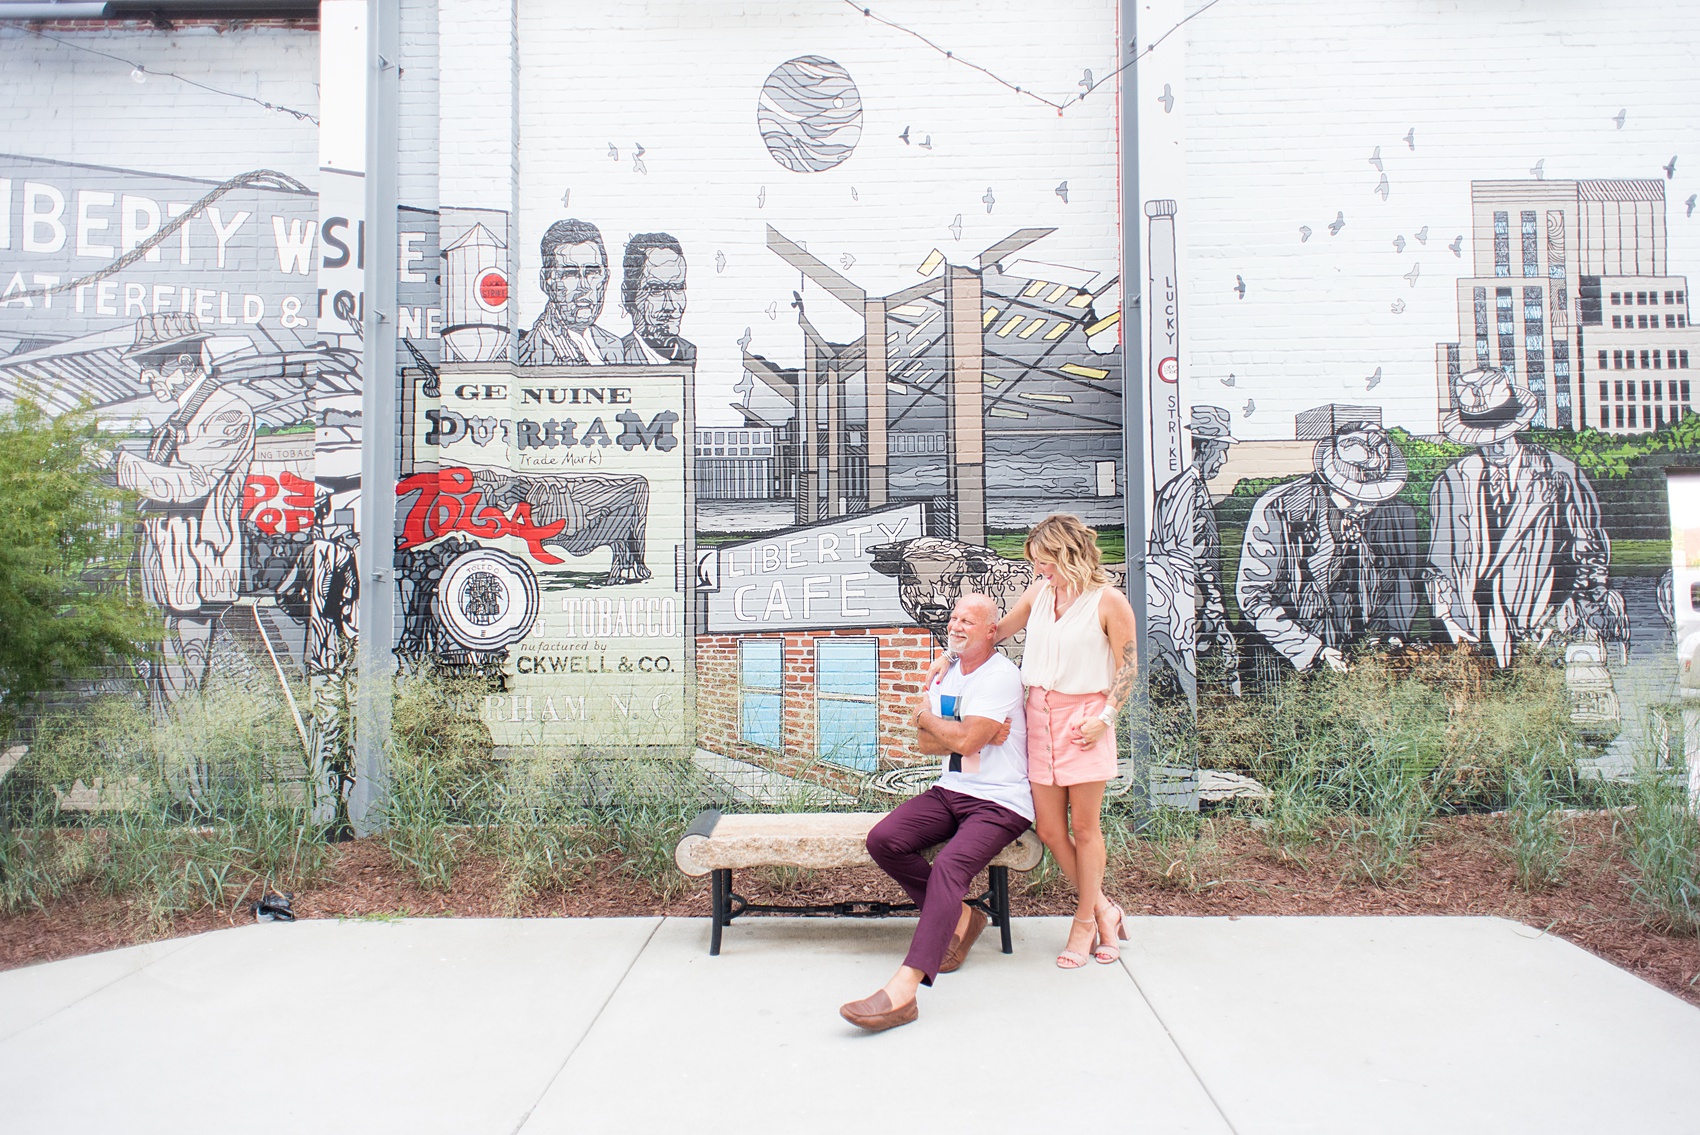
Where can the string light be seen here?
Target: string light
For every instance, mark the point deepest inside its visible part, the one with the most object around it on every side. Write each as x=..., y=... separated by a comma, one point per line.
x=140, y=72
x=1059, y=107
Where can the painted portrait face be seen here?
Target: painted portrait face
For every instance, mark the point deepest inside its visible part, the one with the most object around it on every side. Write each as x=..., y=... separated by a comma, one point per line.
x=167, y=375
x=576, y=279
x=660, y=304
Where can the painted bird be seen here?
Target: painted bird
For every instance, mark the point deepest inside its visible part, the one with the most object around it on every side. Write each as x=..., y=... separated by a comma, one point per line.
x=1167, y=98
x=761, y=198
x=1382, y=188
x=1375, y=159
x=905, y=135
x=1062, y=191
x=1411, y=137
x=720, y=262
x=773, y=310
x=1398, y=307
x=1304, y=233
x=1239, y=285
x=1422, y=235
x=1085, y=84
x=613, y=152
x=1416, y=270
x=1539, y=170
x=1457, y=245
x=989, y=199
x=956, y=228
x=1690, y=203
x=846, y=261
x=1375, y=379
x=1399, y=244
x=1229, y=381
x=1250, y=407
x=1338, y=223
x=744, y=343
x=1619, y=117
x=1670, y=170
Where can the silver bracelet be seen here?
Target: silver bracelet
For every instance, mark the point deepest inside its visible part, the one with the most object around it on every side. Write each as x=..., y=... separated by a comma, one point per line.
x=1108, y=716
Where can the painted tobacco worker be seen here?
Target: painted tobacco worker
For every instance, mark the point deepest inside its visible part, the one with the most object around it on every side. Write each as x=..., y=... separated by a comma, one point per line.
x=1519, y=550
x=574, y=277
x=1330, y=560
x=191, y=483
x=980, y=804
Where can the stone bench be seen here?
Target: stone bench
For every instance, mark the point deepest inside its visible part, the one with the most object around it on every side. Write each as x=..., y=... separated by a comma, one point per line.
x=717, y=845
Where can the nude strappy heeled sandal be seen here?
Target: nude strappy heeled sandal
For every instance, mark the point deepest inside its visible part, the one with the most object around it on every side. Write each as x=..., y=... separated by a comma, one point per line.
x=1106, y=951
x=1074, y=959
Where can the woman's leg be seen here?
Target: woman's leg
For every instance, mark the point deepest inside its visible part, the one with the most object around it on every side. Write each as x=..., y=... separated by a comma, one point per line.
x=1086, y=802
x=1050, y=820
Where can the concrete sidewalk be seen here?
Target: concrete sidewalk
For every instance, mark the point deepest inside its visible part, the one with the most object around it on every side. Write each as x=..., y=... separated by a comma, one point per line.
x=1250, y=1025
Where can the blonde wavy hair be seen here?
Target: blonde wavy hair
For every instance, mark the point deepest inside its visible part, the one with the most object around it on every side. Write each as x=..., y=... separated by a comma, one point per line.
x=1073, y=547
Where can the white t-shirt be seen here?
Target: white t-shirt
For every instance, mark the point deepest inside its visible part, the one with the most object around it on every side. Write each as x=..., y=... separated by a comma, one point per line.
x=999, y=773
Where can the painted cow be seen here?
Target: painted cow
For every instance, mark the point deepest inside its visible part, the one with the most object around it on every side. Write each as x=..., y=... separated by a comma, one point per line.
x=598, y=510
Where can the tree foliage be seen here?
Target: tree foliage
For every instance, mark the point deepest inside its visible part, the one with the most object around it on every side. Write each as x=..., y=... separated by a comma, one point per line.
x=65, y=542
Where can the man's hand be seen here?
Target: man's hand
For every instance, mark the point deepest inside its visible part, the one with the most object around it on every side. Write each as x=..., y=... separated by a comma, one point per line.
x=1336, y=660
x=1001, y=735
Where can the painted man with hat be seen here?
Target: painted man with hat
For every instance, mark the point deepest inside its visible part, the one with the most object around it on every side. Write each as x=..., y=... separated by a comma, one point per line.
x=191, y=485
x=1330, y=561
x=1189, y=616
x=1518, y=549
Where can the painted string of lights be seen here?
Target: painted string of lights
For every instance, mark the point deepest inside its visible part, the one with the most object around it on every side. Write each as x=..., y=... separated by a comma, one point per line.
x=1087, y=82
x=140, y=71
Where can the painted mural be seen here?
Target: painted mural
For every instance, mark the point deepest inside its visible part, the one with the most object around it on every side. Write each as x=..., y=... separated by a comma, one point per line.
x=743, y=439
x=1435, y=368
x=181, y=306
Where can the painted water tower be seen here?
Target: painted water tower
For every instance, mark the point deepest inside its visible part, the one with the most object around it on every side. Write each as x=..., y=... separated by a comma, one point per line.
x=475, y=298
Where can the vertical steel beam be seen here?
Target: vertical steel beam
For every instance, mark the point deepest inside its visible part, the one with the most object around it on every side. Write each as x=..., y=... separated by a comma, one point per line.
x=1133, y=381
x=378, y=421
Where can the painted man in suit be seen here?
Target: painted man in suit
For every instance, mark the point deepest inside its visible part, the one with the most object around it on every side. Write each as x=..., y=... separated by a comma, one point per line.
x=653, y=293
x=1189, y=616
x=1518, y=551
x=1330, y=560
x=574, y=277
x=191, y=485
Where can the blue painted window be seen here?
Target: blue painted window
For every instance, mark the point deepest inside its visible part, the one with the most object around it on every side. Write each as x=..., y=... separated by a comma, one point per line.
x=847, y=701
x=1501, y=244
x=761, y=680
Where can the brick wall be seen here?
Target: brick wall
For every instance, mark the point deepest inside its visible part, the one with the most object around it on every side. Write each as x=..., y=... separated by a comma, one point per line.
x=904, y=654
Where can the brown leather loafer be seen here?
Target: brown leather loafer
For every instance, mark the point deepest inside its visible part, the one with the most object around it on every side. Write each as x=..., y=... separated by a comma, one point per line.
x=876, y=1014
x=959, y=946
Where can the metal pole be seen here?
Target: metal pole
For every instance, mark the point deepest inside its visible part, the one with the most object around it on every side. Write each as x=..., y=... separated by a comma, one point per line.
x=378, y=422
x=1133, y=390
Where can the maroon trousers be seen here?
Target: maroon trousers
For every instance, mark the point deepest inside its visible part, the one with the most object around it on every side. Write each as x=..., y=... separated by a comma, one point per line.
x=972, y=830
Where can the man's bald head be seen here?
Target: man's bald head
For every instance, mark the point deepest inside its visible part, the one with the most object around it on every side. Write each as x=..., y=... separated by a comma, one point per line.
x=974, y=629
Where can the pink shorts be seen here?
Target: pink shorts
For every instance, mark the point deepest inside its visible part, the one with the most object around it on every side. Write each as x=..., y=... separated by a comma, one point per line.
x=1054, y=756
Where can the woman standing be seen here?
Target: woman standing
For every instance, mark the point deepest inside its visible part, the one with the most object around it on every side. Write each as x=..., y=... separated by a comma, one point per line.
x=1079, y=667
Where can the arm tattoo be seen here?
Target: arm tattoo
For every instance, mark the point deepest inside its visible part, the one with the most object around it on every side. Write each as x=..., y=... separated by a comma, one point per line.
x=1122, y=687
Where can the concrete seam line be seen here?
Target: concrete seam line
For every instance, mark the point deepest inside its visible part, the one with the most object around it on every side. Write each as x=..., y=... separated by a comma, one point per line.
x=600, y=1009
x=125, y=976
x=1170, y=1033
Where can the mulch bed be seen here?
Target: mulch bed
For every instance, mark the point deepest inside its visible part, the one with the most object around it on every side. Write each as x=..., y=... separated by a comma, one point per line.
x=1463, y=869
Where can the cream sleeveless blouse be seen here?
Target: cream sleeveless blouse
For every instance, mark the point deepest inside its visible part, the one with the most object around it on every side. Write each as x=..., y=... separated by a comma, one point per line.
x=1070, y=655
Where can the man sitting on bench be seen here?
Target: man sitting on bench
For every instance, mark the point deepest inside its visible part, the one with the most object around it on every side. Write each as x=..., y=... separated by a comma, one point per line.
x=980, y=804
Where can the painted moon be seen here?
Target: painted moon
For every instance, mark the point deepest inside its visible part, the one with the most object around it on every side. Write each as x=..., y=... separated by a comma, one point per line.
x=809, y=114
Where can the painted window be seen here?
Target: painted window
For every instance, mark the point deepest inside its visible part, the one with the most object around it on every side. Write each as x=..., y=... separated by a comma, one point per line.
x=760, y=678
x=847, y=701
x=1531, y=245
x=1507, y=328
x=1481, y=309
x=1502, y=244
x=1605, y=418
x=1534, y=335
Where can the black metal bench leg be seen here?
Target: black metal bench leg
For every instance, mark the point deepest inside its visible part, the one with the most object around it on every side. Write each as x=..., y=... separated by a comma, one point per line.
x=720, y=886
x=998, y=877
